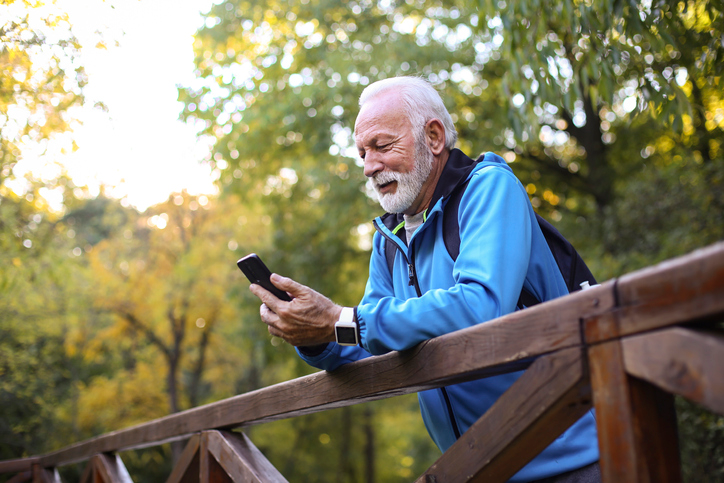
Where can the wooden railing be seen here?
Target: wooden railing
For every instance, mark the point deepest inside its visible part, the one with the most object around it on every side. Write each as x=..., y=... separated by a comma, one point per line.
x=625, y=347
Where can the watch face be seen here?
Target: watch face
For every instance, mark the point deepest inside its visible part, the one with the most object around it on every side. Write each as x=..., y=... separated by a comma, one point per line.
x=347, y=335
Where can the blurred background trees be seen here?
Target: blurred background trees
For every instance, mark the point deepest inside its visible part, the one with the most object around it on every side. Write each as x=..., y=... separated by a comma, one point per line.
x=611, y=114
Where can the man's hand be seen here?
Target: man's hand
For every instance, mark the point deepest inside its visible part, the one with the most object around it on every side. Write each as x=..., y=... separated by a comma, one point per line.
x=307, y=320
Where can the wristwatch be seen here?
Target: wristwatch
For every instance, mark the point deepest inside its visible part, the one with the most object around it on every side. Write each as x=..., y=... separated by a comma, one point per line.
x=346, y=328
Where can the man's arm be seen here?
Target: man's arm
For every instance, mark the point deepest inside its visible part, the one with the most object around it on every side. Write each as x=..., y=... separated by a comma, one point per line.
x=495, y=241
x=495, y=235
x=306, y=322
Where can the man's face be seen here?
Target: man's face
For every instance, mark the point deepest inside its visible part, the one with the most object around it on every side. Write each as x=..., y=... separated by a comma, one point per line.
x=397, y=164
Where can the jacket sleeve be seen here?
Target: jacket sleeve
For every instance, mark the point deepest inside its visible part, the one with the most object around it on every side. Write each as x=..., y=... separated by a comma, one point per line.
x=335, y=355
x=495, y=243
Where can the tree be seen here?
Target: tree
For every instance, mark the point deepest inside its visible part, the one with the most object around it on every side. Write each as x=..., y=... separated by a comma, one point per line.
x=591, y=101
x=41, y=81
x=42, y=288
x=165, y=281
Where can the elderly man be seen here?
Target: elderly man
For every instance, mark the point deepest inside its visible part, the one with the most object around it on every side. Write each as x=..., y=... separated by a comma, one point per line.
x=406, y=138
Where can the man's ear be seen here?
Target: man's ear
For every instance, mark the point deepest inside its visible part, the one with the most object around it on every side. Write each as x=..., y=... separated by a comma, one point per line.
x=435, y=136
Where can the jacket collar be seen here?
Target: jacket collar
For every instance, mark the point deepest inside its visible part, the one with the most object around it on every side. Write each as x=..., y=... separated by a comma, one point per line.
x=455, y=173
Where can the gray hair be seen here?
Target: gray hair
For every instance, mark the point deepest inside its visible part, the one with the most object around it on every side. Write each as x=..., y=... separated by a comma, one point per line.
x=422, y=103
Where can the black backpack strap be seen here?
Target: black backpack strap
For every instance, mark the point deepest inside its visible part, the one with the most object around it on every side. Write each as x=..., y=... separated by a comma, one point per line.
x=571, y=265
x=390, y=254
x=450, y=225
x=451, y=237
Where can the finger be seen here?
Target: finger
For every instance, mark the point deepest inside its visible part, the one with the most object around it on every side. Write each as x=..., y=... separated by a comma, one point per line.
x=268, y=316
x=275, y=332
x=265, y=296
x=288, y=285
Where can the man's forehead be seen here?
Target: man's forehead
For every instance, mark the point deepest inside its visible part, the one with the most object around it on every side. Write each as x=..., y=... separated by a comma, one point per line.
x=383, y=111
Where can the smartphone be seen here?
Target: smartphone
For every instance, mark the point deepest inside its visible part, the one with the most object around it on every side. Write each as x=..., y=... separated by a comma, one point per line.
x=258, y=273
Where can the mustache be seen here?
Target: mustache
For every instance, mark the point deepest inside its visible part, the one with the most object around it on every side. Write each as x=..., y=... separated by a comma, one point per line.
x=384, y=177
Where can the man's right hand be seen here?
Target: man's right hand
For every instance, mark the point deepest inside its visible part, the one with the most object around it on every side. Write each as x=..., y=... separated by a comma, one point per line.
x=307, y=320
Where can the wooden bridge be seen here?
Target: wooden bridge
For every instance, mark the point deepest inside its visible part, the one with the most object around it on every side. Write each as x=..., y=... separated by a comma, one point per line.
x=625, y=347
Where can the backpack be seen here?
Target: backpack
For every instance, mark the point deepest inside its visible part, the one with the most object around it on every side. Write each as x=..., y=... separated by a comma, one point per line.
x=571, y=265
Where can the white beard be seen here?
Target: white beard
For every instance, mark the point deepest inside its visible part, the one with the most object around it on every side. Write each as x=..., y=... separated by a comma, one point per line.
x=408, y=184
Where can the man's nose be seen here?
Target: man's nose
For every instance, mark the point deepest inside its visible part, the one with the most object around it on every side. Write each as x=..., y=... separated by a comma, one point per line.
x=373, y=164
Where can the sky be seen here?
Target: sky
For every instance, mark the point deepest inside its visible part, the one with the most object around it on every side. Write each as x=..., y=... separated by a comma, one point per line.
x=138, y=147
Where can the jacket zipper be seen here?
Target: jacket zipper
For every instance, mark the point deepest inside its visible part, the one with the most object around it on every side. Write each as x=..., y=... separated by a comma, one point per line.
x=448, y=403
x=412, y=274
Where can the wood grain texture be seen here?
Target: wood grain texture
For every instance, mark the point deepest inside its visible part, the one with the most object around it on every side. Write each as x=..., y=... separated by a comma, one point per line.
x=240, y=459
x=210, y=469
x=636, y=422
x=18, y=465
x=680, y=290
x=614, y=419
x=683, y=361
x=547, y=399
x=502, y=345
x=187, y=467
x=656, y=432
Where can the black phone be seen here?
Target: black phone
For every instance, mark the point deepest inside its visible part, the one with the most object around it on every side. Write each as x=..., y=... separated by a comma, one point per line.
x=258, y=273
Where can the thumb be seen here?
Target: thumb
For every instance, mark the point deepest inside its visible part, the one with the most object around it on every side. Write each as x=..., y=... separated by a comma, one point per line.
x=287, y=284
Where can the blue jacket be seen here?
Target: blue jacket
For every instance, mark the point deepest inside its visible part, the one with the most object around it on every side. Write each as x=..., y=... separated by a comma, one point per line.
x=501, y=250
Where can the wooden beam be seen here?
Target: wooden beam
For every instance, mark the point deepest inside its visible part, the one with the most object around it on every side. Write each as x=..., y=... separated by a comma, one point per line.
x=636, y=422
x=682, y=361
x=21, y=477
x=45, y=475
x=187, y=468
x=112, y=469
x=89, y=473
x=495, y=347
x=673, y=292
x=210, y=469
x=106, y=468
x=656, y=431
x=240, y=459
x=19, y=465
x=545, y=401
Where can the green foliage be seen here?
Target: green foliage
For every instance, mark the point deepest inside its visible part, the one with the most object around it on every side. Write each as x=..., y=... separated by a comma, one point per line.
x=384, y=440
x=611, y=113
x=701, y=436
x=41, y=80
x=37, y=307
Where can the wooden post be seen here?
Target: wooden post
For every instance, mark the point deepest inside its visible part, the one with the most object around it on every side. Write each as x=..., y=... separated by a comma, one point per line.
x=21, y=477
x=187, y=469
x=636, y=422
x=239, y=458
x=210, y=469
x=106, y=468
x=45, y=475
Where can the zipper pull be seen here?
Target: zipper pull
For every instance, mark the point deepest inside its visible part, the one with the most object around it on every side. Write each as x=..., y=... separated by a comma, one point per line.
x=411, y=274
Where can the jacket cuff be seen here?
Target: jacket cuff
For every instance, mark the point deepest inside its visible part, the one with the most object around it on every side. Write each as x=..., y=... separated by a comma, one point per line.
x=312, y=350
